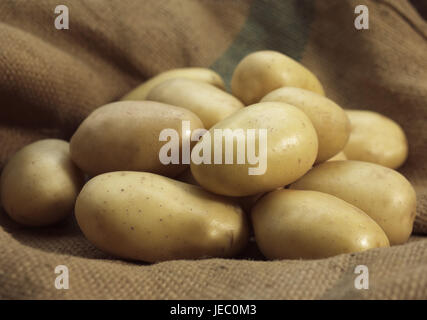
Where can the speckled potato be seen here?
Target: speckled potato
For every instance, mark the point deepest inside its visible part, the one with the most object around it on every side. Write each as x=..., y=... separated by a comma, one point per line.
x=329, y=119
x=264, y=71
x=125, y=136
x=147, y=217
x=208, y=102
x=339, y=156
x=376, y=138
x=382, y=193
x=40, y=183
x=200, y=74
x=290, y=152
x=294, y=224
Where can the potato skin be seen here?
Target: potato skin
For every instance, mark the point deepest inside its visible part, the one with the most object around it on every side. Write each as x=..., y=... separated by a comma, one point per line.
x=264, y=71
x=147, y=217
x=125, y=136
x=200, y=74
x=40, y=183
x=294, y=224
x=329, y=119
x=291, y=151
x=208, y=102
x=376, y=138
x=339, y=156
x=382, y=193
x=245, y=202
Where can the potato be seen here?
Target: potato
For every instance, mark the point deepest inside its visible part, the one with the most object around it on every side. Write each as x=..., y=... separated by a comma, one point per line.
x=329, y=120
x=147, y=217
x=125, y=136
x=294, y=224
x=384, y=194
x=339, y=156
x=40, y=183
x=376, y=138
x=264, y=71
x=286, y=151
x=200, y=74
x=245, y=202
x=209, y=103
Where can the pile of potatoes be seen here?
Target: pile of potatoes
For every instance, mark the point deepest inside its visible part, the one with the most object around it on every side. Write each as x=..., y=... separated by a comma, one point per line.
x=329, y=187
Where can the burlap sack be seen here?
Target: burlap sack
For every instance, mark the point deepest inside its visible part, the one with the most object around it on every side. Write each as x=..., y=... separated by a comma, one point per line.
x=51, y=79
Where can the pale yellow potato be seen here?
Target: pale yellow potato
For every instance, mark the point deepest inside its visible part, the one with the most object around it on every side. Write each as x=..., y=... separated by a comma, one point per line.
x=339, y=156
x=200, y=74
x=264, y=71
x=208, y=102
x=329, y=119
x=147, y=217
x=40, y=183
x=125, y=136
x=290, y=152
x=294, y=224
x=376, y=138
x=245, y=202
x=382, y=193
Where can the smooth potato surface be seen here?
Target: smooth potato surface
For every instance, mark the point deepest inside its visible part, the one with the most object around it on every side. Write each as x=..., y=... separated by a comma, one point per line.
x=339, y=156
x=208, y=102
x=329, y=119
x=264, y=71
x=125, y=136
x=382, y=193
x=294, y=224
x=376, y=138
x=147, y=217
x=200, y=74
x=290, y=152
x=40, y=183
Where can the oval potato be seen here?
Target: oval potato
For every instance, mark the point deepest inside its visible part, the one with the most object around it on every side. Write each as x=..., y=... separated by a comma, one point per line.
x=264, y=71
x=376, y=138
x=200, y=74
x=290, y=150
x=147, y=217
x=40, y=183
x=208, y=102
x=294, y=224
x=382, y=193
x=329, y=119
x=125, y=136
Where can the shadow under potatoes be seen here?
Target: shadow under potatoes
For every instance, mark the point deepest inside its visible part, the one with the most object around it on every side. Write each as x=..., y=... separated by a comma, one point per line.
x=64, y=237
